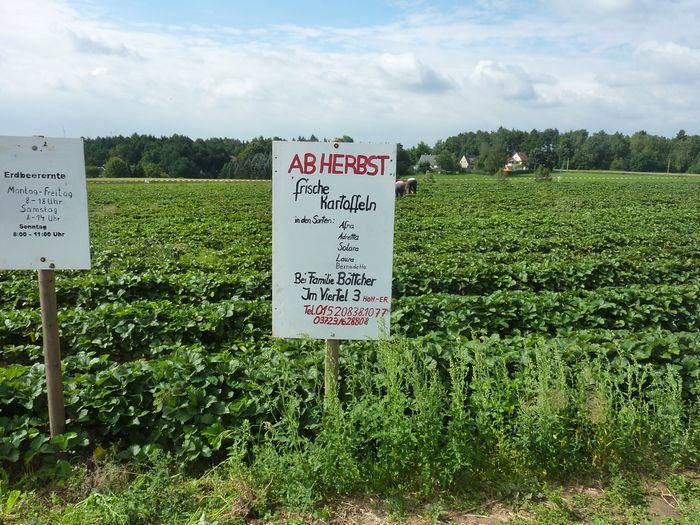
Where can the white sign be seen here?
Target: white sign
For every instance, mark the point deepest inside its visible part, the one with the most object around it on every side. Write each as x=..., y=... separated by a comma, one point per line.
x=43, y=204
x=332, y=239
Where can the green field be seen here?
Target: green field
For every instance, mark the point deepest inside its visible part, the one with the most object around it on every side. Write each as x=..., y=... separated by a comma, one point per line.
x=542, y=332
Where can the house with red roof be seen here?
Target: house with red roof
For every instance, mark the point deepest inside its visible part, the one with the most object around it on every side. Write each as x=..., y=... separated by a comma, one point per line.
x=517, y=162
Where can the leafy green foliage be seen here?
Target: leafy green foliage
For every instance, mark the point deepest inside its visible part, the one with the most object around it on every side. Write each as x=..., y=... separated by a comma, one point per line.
x=116, y=168
x=544, y=331
x=543, y=174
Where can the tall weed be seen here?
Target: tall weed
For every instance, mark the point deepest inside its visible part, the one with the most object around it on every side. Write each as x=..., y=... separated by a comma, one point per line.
x=545, y=427
x=400, y=425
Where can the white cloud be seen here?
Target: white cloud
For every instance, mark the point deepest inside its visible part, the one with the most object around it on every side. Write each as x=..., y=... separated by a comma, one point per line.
x=508, y=81
x=672, y=62
x=619, y=6
x=597, y=7
x=405, y=71
x=90, y=45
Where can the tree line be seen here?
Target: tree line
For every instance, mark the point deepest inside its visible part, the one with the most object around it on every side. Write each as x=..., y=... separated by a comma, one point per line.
x=576, y=149
x=179, y=156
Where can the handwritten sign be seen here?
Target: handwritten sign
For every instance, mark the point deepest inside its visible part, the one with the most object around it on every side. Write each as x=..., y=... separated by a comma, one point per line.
x=43, y=204
x=332, y=239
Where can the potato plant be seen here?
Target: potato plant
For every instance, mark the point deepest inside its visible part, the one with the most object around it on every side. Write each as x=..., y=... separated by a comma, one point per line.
x=167, y=342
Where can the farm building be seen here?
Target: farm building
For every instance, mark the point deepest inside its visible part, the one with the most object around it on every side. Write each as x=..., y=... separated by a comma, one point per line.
x=518, y=161
x=467, y=162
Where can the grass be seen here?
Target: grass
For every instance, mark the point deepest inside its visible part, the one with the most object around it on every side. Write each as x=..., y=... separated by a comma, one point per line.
x=111, y=493
x=418, y=446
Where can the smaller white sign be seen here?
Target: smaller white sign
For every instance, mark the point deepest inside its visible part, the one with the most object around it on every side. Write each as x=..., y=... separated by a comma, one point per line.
x=43, y=204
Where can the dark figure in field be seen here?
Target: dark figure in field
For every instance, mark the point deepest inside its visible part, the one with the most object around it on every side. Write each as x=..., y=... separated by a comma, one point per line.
x=400, y=188
x=411, y=186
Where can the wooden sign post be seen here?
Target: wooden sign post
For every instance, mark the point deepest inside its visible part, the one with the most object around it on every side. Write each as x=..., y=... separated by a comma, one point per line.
x=52, y=351
x=332, y=243
x=44, y=227
x=331, y=371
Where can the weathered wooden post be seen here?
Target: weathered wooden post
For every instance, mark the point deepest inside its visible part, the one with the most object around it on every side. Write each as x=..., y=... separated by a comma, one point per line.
x=331, y=369
x=52, y=351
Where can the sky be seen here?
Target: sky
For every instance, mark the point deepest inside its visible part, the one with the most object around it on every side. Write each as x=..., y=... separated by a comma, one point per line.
x=379, y=71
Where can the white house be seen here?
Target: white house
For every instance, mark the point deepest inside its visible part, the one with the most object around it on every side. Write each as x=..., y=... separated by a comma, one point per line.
x=518, y=161
x=467, y=162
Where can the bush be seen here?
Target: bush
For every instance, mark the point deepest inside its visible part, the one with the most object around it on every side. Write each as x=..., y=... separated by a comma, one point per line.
x=92, y=172
x=543, y=174
x=116, y=168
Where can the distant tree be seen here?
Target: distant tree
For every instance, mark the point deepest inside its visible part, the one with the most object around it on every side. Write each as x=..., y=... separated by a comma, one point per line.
x=92, y=172
x=695, y=166
x=97, y=150
x=512, y=139
x=403, y=161
x=150, y=170
x=446, y=162
x=643, y=161
x=137, y=171
x=462, y=144
x=543, y=174
x=540, y=147
x=684, y=150
x=152, y=152
x=130, y=148
x=211, y=154
x=649, y=152
x=619, y=146
x=116, y=168
x=423, y=167
x=258, y=166
x=176, y=157
x=568, y=144
x=230, y=169
x=255, y=160
x=184, y=168
x=492, y=157
x=618, y=164
x=594, y=153
x=417, y=151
